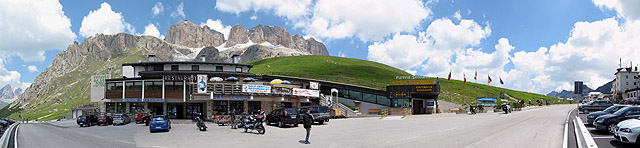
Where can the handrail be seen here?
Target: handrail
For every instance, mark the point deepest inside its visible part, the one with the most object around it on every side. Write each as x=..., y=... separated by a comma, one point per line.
x=341, y=79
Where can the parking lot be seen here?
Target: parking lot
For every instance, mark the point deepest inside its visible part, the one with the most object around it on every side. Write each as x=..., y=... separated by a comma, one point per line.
x=603, y=138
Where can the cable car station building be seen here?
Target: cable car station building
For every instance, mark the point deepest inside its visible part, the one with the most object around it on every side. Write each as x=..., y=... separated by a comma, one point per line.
x=186, y=89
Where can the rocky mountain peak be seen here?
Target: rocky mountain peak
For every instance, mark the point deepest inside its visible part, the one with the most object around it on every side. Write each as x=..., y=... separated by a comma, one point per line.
x=237, y=35
x=18, y=92
x=191, y=35
x=6, y=92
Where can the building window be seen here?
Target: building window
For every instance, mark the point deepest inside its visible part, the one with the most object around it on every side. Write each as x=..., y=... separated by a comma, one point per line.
x=122, y=107
x=168, y=86
x=254, y=107
x=137, y=86
x=195, y=67
x=129, y=86
x=355, y=95
x=627, y=83
x=158, y=68
x=627, y=76
x=401, y=103
x=384, y=100
x=219, y=68
x=238, y=69
x=369, y=97
x=114, y=86
x=136, y=107
x=219, y=107
x=111, y=107
x=178, y=86
x=238, y=105
x=175, y=67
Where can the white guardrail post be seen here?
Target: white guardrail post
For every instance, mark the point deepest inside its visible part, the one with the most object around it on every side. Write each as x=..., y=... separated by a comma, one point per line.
x=6, y=137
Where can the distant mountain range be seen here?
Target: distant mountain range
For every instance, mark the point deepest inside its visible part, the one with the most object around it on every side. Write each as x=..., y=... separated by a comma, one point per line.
x=8, y=95
x=605, y=89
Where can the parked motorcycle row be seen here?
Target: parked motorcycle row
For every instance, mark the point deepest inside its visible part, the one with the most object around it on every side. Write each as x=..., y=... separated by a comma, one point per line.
x=248, y=122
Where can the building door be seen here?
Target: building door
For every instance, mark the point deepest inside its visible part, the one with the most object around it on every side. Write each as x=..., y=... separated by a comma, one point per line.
x=418, y=106
x=194, y=110
x=254, y=106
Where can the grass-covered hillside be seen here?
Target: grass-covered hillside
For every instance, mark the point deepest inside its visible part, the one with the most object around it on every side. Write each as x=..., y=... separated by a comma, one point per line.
x=75, y=88
x=334, y=68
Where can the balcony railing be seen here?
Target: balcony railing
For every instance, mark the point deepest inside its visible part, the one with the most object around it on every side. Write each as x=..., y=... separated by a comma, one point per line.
x=340, y=79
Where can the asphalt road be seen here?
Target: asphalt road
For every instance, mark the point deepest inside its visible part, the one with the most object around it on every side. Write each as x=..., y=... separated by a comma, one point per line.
x=538, y=127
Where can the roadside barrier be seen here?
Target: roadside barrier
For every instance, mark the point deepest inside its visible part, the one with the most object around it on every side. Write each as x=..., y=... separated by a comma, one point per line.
x=405, y=112
x=384, y=113
x=5, y=141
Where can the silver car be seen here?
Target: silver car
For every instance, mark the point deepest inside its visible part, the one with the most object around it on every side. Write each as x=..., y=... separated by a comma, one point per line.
x=627, y=131
x=121, y=119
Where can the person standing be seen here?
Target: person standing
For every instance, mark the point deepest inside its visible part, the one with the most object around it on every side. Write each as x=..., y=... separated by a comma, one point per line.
x=307, y=119
x=234, y=125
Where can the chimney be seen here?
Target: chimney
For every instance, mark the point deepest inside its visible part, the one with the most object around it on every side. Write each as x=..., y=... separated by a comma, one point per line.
x=203, y=57
x=235, y=59
x=152, y=58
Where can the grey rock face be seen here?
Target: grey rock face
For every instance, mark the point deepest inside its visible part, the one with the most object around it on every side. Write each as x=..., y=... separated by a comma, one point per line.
x=191, y=35
x=238, y=35
x=210, y=53
x=280, y=36
x=316, y=48
x=18, y=92
x=6, y=92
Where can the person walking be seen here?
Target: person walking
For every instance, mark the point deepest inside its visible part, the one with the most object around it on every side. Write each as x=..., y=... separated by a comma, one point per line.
x=234, y=125
x=307, y=119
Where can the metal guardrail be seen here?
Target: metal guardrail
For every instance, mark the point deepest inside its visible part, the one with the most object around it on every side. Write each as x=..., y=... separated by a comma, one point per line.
x=7, y=141
x=384, y=113
x=340, y=79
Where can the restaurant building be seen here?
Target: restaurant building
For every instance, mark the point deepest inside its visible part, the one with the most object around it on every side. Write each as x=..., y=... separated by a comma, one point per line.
x=186, y=89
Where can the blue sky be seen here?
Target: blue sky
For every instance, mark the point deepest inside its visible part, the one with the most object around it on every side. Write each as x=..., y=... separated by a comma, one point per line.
x=533, y=45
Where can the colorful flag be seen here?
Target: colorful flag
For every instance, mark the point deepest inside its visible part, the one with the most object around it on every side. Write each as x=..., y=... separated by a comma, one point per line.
x=489, y=78
x=449, y=76
x=465, y=78
x=474, y=77
x=501, y=83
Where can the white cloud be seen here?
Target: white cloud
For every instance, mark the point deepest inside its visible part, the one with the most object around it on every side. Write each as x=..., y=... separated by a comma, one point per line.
x=457, y=15
x=342, y=54
x=629, y=9
x=152, y=30
x=11, y=77
x=254, y=17
x=446, y=34
x=291, y=9
x=157, y=9
x=104, y=21
x=218, y=26
x=40, y=26
x=179, y=13
x=32, y=68
x=412, y=72
x=337, y=19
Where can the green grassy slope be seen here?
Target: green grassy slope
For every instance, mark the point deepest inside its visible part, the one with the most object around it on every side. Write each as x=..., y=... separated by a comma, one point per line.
x=75, y=88
x=3, y=104
x=376, y=72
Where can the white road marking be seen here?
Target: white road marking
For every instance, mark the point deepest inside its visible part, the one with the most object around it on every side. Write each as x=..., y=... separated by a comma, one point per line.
x=586, y=135
x=575, y=131
x=565, y=139
x=15, y=138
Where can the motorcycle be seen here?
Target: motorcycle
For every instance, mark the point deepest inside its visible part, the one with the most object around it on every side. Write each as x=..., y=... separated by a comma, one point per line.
x=243, y=120
x=506, y=108
x=200, y=124
x=472, y=109
x=254, y=123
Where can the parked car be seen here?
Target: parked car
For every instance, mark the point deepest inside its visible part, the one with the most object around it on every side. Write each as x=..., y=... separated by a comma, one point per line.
x=594, y=106
x=87, y=120
x=609, y=121
x=320, y=114
x=3, y=125
x=141, y=118
x=627, y=131
x=10, y=121
x=105, y=120
x=121, y=119
x=159, y=122
x=610, y=110
x=283, y=116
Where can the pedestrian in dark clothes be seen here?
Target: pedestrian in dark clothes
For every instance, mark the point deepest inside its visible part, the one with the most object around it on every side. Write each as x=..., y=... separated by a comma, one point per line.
x=308, y=120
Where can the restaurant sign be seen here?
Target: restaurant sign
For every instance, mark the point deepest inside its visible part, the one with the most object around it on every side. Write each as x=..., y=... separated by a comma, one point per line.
x=281, y=91
x=306, y=92
x=230, y=97
x=248, y=88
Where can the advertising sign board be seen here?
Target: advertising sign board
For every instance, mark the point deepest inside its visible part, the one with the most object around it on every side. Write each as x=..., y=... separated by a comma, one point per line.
x=487, y=101
x=98, y=87
x=314, y=85
x=202, y=84
x=248, y=88
x=306, y=92
x=281, y=91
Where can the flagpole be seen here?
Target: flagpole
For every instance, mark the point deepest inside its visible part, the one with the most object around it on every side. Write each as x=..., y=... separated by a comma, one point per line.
x=463, y=86
x=450, y=92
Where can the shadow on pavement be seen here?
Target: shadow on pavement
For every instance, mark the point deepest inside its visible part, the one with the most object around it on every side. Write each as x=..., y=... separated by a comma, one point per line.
x=619, y=144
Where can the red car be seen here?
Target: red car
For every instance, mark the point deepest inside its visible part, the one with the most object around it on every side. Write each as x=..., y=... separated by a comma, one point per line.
x=106, y=120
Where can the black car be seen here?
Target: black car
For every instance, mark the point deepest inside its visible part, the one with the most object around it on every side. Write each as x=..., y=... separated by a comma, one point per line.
x=608, y=122
x=283, y=116
x=87, y=120
x=3, y=125
x=594, y=106
x=320, y=114
x=592, y=116
x=10, y=121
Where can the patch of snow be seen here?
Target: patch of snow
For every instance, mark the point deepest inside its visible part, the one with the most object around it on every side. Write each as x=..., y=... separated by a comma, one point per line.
x=245, y=45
